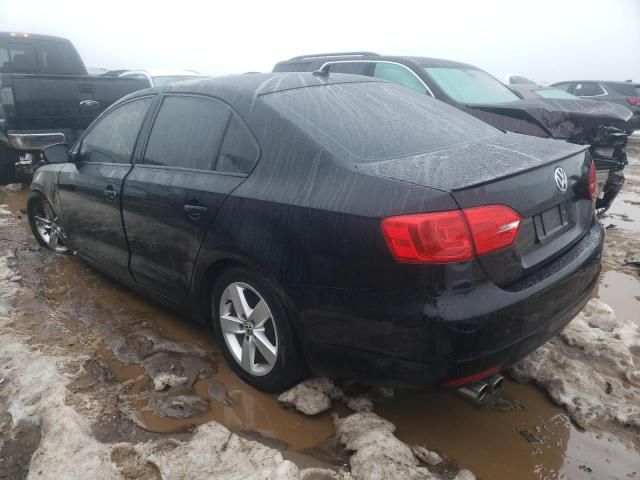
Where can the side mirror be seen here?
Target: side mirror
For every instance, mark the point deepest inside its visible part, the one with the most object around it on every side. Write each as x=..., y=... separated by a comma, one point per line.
x=58, y=153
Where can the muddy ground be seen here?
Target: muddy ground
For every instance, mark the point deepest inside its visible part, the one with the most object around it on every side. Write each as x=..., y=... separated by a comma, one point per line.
x=99, y=382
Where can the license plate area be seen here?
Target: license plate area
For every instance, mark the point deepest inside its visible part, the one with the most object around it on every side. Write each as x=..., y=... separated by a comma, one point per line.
x=551, y=222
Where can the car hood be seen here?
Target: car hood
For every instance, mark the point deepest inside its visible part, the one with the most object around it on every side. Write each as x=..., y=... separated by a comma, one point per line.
x=474, y=163
x=559, y=118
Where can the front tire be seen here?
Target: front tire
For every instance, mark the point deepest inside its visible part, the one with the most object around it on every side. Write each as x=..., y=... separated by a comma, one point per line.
x=45, y=224
x=254, y=331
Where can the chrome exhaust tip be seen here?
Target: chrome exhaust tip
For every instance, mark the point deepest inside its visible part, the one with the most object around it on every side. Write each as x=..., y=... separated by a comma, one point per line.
x=495, y=382
x=475, y=391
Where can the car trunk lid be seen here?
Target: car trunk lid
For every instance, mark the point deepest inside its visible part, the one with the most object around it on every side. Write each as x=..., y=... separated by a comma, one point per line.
x=517, y=171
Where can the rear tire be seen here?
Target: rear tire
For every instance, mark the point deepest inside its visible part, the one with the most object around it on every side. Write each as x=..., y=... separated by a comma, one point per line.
x=253, y=328
x=44, y=223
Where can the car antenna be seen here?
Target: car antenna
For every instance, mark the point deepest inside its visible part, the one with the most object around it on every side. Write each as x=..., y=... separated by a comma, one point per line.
x=322, y=71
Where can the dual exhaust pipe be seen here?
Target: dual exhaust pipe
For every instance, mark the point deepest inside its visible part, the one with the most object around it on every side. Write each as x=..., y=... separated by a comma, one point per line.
x=478, y=390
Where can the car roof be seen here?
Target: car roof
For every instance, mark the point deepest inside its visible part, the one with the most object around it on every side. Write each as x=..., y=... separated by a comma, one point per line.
x=241, y=90
x=23, y=35
x=164, y=72
x=355, y=56
x=615, y=82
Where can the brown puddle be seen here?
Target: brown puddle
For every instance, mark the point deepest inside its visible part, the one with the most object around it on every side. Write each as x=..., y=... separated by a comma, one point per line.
x=521, y=436
x=622, y=292
x=250, y=410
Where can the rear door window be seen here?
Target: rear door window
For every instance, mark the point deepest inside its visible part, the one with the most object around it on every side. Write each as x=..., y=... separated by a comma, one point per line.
x=187, y=133
x=17, y=57
x=113, y=138
x=589, y=90
x=567, y=87
x=399, y=74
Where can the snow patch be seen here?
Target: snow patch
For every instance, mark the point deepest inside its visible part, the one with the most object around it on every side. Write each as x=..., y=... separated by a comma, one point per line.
x=314, y=396
x=590, y=367
x=378, y=453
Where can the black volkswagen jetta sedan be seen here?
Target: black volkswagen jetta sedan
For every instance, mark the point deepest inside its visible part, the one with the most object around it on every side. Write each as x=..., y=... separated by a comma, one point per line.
x=335, y=223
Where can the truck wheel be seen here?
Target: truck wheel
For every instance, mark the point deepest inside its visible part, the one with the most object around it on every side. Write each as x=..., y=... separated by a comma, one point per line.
x=7, y=165
x=253, y=329
x=44, y=223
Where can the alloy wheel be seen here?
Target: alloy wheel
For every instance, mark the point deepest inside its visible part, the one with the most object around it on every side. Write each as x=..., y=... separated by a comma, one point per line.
x=48, y=228
x=248, y=328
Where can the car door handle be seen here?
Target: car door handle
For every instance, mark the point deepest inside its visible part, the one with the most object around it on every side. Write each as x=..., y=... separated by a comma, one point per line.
x=110, y=192
x=195, y=208
x=195, y=212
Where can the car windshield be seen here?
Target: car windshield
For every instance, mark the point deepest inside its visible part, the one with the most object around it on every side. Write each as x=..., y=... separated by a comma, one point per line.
x=164, y=79
x=470, y=85
x=554, y=93
x=372, y=121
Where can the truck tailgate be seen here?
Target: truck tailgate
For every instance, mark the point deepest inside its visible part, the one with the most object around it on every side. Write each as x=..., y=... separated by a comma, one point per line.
x=63, y=101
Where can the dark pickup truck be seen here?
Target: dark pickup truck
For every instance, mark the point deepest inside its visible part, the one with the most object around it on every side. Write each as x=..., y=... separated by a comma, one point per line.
x=46, y=97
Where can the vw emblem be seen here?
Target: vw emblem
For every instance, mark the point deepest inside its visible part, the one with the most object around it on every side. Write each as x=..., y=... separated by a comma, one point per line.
x=560, y=177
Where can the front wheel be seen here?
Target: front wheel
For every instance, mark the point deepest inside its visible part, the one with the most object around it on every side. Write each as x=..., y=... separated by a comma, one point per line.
x=253, y=329
x=45, y=224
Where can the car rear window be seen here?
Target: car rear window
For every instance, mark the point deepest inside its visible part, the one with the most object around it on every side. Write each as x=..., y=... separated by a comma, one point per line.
x=17, y=57
x=470, y=85
x=369, y=122
x=58, y=57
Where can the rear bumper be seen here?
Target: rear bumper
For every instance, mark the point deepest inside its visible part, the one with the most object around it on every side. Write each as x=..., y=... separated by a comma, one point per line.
x=455, y=335
x=35, y=140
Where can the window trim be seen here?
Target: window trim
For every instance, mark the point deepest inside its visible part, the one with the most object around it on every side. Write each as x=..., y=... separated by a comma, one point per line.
x=140, y=159
x=75, y=151
x=428, y=92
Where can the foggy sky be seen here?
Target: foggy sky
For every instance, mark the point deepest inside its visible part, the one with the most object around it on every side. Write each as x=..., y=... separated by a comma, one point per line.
x=544, y=40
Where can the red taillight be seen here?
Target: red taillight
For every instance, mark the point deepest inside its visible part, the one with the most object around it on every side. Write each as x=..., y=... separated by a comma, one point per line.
x=634, y=101
x=428, y=237
x=450, y=236
x=493, y=227
x=593, y=181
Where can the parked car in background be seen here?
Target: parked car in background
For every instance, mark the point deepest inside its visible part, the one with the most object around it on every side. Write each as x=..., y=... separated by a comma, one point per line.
x=46, y=97
x=531, y=90
x=516, y=79
x=157, y=78
x=338, y=222
x=622, y=93
x=476, y=92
